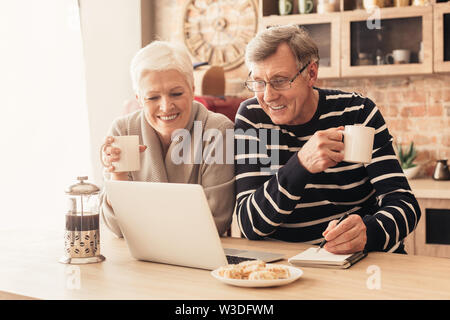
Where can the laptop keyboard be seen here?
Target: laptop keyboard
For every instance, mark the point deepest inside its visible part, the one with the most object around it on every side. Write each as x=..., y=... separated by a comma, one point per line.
x=236, y=259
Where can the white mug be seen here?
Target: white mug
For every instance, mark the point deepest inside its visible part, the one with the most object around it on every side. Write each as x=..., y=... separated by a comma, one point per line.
x=129, y=153
x=358, y=143
x=305, y=6
x=285, y=7
x=399, y=56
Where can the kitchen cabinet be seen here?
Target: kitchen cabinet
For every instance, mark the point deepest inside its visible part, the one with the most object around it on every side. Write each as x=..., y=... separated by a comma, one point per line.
x=432, y=234
x=442, y=37
x=350, y=39
x=403, y=32
x=323, y=28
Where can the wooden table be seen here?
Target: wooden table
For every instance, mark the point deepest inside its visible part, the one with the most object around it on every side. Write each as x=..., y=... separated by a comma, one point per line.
x=29, y=268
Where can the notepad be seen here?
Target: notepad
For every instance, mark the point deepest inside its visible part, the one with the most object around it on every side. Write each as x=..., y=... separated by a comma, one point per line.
x=324, y=259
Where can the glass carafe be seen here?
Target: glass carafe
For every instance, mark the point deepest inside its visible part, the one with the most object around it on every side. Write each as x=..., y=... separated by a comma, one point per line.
x=82, y=232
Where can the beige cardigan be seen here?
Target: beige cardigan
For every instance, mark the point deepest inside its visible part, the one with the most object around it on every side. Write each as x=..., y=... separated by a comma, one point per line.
x=217, y=179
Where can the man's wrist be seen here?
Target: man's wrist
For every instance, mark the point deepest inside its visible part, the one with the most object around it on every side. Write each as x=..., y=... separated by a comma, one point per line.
x=301, y=162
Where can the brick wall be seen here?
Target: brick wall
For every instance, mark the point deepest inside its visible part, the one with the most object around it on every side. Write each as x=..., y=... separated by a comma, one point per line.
x=416, y=108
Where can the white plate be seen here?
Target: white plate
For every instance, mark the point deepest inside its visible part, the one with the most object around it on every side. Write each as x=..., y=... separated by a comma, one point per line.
x=295, y=273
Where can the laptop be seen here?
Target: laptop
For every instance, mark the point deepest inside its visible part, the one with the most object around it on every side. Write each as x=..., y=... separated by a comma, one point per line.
x=171, y=223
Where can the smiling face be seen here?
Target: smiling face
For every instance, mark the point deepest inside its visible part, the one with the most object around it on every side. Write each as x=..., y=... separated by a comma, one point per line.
x=167, y=101
x=294, y=106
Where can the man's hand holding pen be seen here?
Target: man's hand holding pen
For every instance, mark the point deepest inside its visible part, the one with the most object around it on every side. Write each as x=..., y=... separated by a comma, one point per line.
x=347, y=237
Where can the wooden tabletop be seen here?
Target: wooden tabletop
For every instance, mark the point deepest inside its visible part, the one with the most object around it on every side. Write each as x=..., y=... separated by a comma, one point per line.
x=29, y=268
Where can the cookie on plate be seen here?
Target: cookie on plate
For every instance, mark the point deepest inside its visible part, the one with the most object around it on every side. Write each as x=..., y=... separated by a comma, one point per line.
x=280, y=271
x=262, y=275
x=230, y=272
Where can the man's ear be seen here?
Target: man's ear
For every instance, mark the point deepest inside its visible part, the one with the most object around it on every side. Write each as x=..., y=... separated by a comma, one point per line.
x=313, y=72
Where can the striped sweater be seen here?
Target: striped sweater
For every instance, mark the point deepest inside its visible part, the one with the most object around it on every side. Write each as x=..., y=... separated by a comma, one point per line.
x=277, y=198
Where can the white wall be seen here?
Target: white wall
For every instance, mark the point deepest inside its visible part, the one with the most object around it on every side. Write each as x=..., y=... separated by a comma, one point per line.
x=111, y=32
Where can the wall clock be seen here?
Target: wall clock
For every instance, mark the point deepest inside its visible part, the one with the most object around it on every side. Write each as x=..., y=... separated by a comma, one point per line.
x=217, y=31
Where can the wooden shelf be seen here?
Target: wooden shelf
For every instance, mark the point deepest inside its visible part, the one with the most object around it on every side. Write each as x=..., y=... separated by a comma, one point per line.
x=301, y=18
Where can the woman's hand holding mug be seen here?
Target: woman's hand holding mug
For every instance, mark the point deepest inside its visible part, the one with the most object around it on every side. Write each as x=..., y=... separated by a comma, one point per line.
x=120, y=154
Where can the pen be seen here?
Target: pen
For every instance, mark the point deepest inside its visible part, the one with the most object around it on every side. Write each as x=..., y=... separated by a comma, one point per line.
x=325, y=241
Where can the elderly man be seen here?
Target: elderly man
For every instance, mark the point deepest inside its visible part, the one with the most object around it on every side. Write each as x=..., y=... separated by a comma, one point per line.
x=296, y=185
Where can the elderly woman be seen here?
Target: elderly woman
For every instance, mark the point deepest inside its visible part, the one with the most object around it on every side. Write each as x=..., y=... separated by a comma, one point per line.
x=163, y=81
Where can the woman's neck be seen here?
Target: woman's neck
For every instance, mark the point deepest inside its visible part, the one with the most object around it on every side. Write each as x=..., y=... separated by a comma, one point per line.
x=165, y=143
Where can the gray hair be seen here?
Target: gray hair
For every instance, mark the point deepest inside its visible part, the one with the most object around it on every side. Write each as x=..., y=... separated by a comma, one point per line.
x=161, y=56
x=266, y=42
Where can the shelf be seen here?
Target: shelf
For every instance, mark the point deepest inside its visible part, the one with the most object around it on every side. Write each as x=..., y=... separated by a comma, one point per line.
x=270, y=7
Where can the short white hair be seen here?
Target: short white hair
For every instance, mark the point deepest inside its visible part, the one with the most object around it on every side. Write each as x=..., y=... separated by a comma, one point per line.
x=161, y=56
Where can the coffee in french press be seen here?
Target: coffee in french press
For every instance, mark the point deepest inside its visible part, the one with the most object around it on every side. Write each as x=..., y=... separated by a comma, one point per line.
x=82, y=232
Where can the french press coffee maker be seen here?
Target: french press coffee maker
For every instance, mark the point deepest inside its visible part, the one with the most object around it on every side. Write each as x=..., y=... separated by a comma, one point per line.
x=82, y=233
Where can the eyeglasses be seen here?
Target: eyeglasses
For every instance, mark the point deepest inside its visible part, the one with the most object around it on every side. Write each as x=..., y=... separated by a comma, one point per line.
x=281, y=84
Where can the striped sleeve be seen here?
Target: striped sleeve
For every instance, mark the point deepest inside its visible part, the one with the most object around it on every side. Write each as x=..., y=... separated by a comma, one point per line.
x=399, y=211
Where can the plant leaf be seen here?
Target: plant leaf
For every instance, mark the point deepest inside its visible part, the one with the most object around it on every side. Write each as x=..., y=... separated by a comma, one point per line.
x=400, y=153
x=410, y=149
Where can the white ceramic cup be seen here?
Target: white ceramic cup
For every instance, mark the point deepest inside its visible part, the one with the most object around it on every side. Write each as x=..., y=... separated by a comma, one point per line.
x=285, y=7
x=305, y=6
x=399, y=56
x=129, y=153
x=358, y=144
